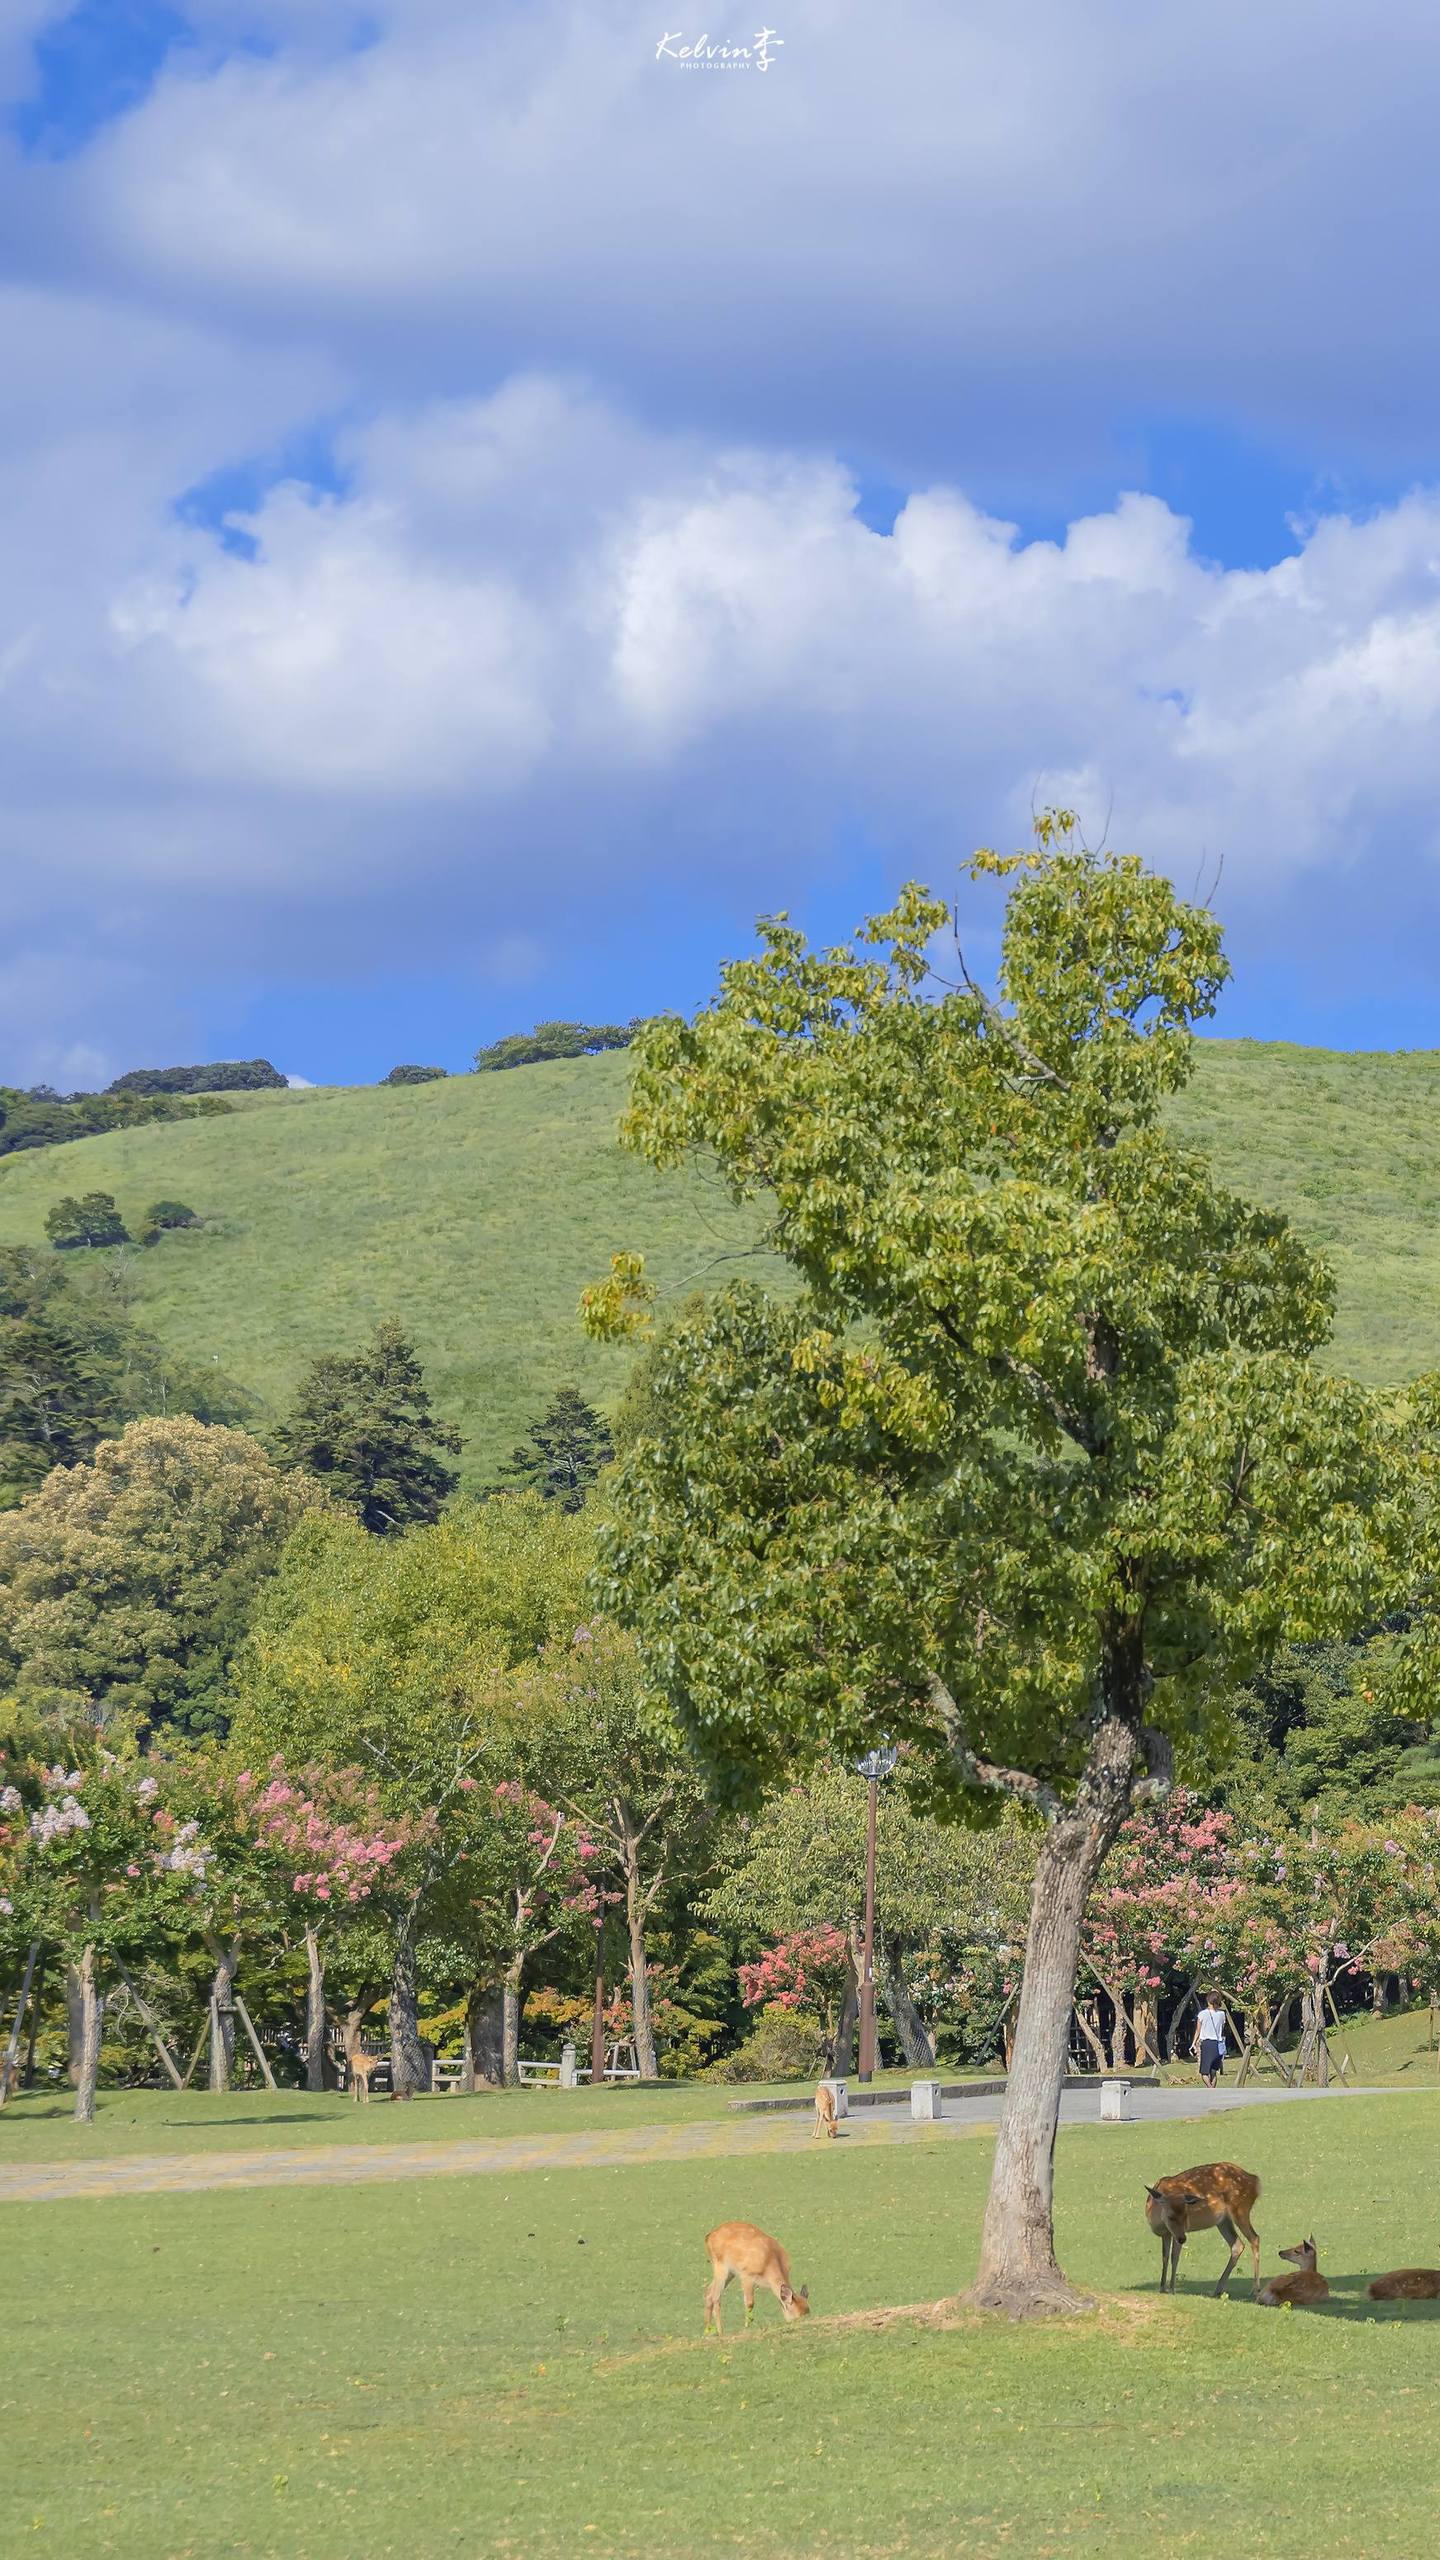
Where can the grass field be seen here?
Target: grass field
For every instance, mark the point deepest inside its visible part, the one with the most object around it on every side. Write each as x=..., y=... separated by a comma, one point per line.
x=513, y=2366
x=478, y=1208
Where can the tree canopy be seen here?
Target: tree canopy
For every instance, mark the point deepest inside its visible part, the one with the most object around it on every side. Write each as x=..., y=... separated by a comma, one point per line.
x=563, y=1452
x=126, y=1581
x=1038, y=1458
x=554, y=1040
x=362, y=1423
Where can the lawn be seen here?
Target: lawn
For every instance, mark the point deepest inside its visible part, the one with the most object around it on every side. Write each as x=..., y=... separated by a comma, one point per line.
x=513, y=2366
x=477, y=1209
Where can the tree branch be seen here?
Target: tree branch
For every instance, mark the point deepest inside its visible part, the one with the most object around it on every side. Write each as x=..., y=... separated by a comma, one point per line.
x=989, y=1774
x=1159, y=1775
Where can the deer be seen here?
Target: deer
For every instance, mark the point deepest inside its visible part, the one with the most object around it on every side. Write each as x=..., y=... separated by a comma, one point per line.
x=1279, y=2293
x=824, y=2114
x=360, y=2068
x=740, y=2249
x=1406, y=2284
x=1219, y=2197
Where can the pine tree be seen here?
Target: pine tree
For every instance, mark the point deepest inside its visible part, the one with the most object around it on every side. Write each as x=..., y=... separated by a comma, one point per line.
x=362, y=1423
x=563, y=1453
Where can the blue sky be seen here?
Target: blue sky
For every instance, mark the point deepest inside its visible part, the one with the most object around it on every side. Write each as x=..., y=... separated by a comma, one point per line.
x=487, y=511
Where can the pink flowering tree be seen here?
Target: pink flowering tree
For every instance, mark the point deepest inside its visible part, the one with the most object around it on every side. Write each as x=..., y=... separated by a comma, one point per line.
x=85, y=1876
x=348, y=1861
x=809, y=1970
x=1158, y=1914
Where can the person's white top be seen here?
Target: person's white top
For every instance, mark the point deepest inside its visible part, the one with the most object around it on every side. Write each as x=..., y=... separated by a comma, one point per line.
x=1211, y=2029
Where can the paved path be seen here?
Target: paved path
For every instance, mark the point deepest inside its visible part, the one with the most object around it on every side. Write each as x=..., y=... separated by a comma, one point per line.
x=370, y=2164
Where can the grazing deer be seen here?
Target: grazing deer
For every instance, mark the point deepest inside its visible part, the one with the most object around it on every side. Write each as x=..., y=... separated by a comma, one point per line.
x=1306, y=2285
x=824, y=2114
x=739, y=2249
x=360, y=2070
x=1407, y=2284
x=1218, y=2197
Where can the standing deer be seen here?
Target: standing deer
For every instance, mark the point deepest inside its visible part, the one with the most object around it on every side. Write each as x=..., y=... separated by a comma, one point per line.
x=1305, y=2286
x=1218, y=2197
x=1407, y=2284
x=360, y=2069
x=739, y=2249
x=824, y=2114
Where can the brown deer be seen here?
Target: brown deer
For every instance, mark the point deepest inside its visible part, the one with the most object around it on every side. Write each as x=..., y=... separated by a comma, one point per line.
x=1219, y=2197
x=739, y=2249
x=1305, y=2286
x=360, y=2070
x=1407, y=2284
x=824, y=2114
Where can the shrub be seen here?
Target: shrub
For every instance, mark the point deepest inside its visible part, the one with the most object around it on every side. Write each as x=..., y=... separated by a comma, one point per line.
x=415, y=1075
x=783, y=2044
x=163, y=1214
x=554, y=1040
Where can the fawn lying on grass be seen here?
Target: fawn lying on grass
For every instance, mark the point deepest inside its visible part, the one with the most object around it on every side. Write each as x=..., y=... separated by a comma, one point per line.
x=1218, y=2197
x=1407, y=2284
x=824, y=2114
x=739, y=2249
x=1306, y=2285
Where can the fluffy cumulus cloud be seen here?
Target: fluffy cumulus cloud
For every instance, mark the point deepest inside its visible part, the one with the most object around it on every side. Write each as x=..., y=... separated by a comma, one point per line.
x=575, y=596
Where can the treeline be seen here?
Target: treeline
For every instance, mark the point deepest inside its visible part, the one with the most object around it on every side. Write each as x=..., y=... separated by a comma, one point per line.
x=40, y=1119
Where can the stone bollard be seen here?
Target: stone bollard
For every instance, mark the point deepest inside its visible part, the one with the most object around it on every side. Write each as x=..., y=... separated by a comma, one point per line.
x=925, y=2101
x=569, y=2076
x=1114, y=2101
x=837, y=2092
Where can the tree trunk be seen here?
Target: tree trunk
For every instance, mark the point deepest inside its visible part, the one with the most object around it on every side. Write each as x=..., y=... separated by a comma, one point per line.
x=409, y=2068
x=909, y=2026
x=1177, y=2014
x=222, y=2016
x=649, y=2068
x=314, y=2012
x=28, y=2075
x=1018, y=2268
x=844, y=2057
x=92, y=2015
x=1119, y=2028
x=512, y=2003
x=1147, y=2041
x=485, y=2038
x=74, y=2023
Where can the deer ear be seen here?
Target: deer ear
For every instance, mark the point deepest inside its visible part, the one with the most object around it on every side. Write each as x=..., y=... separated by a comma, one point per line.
x=1152, y=2191
x=804, y=2293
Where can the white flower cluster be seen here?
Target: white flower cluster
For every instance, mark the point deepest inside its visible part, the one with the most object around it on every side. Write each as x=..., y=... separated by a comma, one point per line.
x=9, y=1799
x=57, y=1819
x=147, y=1788
x=189, y=1856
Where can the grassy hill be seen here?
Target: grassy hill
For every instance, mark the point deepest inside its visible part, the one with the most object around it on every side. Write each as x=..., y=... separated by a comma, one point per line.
x=476, y=1210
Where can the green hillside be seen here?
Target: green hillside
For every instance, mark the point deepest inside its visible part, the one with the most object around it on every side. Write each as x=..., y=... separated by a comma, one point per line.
x=476, y=1210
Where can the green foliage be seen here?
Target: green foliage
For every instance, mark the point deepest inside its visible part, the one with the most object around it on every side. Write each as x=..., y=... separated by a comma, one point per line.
x=1044, y=1429
x=1334, y=1725
x=362, y=1424
x=224, y=1075
x=550, y=1040
x=563, y=1452
x=783, y=2044
x=45, y=1119
x=162, y=1216
x=126, y=1582
x=74, y=1367
x=415, y=1075
x=92, y=1219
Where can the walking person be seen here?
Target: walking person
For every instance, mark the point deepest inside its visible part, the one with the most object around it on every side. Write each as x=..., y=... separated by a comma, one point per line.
x=1209, y=2044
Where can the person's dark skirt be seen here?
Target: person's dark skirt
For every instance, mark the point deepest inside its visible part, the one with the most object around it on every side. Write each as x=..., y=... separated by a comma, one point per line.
x=1211, y=2059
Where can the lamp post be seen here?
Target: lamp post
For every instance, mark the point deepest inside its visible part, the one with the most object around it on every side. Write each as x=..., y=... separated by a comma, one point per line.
x=875, y=1766
x=597, y=2031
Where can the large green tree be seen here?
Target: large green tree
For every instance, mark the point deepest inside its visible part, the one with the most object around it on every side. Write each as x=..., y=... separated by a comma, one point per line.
x=362, y=1423
x=126, y=1581
x=1038, y=1458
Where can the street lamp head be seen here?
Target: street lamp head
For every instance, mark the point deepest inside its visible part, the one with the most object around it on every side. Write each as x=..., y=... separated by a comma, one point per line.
x=877, y=1764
